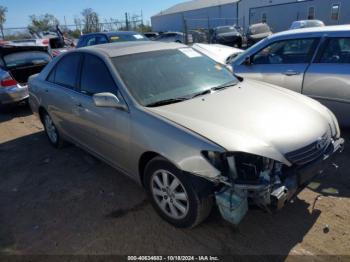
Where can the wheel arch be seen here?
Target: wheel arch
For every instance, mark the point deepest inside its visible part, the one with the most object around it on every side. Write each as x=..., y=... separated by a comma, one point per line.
x=143, y=161
x=42, y=111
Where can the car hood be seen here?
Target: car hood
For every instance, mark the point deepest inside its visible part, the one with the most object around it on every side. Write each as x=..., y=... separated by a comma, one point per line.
x=217, y=52
x=253, y=117
x=260, y=36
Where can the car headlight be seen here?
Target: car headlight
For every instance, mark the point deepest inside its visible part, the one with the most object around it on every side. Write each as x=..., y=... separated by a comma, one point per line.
x=238, y=165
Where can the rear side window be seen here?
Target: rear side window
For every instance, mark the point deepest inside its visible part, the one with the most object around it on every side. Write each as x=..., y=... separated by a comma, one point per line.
x=293, y=51
x=336, y=51
x=66, y=71
x=101, y=39
x=27, y=58
x=91, y=41
x=95, y=77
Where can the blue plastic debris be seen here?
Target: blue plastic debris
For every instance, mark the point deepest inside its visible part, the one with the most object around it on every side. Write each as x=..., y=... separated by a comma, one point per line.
x=233, y=204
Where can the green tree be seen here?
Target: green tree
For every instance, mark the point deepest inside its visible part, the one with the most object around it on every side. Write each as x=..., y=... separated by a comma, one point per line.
x=91, y=21
x=43, y=22
x=3, y=11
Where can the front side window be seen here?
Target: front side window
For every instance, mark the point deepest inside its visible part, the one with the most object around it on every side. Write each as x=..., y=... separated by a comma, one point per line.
x=226, y=29
x=91, y=41
x=170, y=74
x=66, y=71
x=335, y=12
x=294, y=51
x=95, y=77
x=337, y=51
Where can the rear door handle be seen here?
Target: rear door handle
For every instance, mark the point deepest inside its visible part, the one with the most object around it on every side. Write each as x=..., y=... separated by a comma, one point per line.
x=80, y=105
x=291, y=73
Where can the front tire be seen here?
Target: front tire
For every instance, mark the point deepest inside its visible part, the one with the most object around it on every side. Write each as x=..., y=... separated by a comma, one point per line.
x=51, y=131
x=173, y=196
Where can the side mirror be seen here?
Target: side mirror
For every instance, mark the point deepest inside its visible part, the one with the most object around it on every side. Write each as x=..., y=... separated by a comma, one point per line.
x=248, y=61
x=108, y=100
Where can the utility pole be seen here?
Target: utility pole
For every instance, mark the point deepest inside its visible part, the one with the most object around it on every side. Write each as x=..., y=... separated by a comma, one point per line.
x=141, y=21
x=126, y=22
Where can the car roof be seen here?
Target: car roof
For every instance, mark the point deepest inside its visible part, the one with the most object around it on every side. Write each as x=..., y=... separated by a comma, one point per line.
x=307, y=21
x=313, y=30
x=113, y=33
x=259, y=24
x=132, y=47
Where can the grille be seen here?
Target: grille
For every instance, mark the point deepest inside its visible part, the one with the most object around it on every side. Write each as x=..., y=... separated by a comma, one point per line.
x=310, y=152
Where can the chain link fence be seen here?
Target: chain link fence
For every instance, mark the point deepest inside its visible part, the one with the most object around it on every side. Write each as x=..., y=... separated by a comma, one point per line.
x=200, y=30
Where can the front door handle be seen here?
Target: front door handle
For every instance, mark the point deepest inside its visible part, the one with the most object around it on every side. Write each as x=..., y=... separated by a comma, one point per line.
x=291, y=73
x=80, y=105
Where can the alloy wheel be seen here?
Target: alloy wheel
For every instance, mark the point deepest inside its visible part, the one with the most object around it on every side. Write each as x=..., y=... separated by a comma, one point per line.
x=169, y=194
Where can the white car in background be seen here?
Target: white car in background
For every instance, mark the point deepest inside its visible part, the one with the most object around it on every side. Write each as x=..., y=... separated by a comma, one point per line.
x=306, y=23
x=220, y=53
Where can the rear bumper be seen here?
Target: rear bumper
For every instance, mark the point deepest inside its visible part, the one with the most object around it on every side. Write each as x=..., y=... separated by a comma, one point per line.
x=9, y=95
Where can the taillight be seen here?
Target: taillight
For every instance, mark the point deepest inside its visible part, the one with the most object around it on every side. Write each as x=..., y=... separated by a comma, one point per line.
x=3, y=42
x=8, y=81
x=45, y=41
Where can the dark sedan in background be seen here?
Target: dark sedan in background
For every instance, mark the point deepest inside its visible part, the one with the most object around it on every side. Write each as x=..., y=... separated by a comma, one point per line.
x=227, y=35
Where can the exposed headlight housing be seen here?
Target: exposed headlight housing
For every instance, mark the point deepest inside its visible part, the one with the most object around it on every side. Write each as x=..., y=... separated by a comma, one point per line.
x=238, y=165
x=335, y=123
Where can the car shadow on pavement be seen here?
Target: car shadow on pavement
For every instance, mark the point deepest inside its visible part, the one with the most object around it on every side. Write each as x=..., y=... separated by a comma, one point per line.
x=10, y=112
x=335, y=180
x=67, y=202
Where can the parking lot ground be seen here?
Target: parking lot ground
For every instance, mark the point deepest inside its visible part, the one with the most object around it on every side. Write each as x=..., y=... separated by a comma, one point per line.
x=67, y=202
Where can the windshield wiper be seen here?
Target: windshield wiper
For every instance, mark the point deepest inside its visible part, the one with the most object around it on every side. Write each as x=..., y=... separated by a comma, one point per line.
x=225, y=85
x=216, y=88
x=167, y=101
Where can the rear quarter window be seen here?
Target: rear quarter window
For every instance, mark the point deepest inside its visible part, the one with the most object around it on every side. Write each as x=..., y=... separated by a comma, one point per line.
x=66, y=71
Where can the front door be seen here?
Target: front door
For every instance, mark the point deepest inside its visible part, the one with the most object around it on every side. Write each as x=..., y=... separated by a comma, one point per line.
x=105, y=131
x=281, y=63
x=328, y=77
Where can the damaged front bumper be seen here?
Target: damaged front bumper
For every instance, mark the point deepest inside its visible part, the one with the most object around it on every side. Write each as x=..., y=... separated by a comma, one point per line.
x=233, y=199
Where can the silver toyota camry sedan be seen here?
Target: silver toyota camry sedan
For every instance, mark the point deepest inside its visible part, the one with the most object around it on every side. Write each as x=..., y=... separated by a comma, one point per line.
x=191, y=133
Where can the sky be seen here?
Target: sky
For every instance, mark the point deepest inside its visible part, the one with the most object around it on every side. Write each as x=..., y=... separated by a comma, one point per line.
x=19, y=10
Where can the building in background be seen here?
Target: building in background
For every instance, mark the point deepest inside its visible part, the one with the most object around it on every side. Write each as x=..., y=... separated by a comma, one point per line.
x=195, y=15
x=279, y=14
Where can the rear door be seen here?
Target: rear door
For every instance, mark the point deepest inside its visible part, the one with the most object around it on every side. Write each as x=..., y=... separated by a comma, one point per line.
x=282, y=63
x=328, y=77
x=59, y=94
x=105, y=131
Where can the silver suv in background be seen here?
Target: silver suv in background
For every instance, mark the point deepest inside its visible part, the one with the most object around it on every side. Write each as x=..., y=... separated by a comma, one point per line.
x=311, y=61
x=185, y=127
x=176, y=37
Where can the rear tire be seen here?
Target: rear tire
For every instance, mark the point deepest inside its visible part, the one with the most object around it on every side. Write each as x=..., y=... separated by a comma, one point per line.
x=51, y=131
x=173, y=196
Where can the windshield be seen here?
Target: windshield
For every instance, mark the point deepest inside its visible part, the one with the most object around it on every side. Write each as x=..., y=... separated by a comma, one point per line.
x=127, y=37
x=156, y=76
x=259, y=29
x=226, y=29
x=26, y=58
